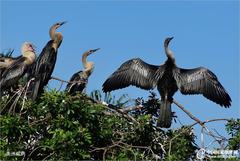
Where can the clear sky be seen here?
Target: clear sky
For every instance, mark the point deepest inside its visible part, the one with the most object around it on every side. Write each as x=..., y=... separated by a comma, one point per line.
x=206, y=33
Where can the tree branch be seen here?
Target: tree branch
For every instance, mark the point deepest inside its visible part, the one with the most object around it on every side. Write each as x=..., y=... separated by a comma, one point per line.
x=118, y=111
x=132, y=108
x=188, y=113
x=64, y=81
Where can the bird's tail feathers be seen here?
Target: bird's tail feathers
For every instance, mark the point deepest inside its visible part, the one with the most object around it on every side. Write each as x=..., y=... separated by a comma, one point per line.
x=165, y=116
x=33, y=90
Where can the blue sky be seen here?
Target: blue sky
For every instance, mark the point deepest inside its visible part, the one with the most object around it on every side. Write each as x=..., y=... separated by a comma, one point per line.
x=205, y=34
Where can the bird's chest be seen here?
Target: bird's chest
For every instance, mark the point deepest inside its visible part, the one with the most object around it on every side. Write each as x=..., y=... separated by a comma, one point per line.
x=167, y=85
x=82, y=76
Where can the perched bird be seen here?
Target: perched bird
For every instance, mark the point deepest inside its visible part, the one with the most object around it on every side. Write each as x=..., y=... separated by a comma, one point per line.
x=43, y=68
x=78, y=81
x=168, y=78
x=6, y=59
x=17, y=67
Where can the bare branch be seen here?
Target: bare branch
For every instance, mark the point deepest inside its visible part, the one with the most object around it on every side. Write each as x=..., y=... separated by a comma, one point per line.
x=124, y=114
x=64, y=81
x=188, y=113
x=119, y=111
x=212, y=120
x=132, y=108
x=121, y=144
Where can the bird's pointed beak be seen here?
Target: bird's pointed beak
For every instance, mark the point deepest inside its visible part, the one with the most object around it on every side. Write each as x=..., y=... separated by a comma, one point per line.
x=33, y=47
x=94, y=50
x=171, y=38
x=61, y=23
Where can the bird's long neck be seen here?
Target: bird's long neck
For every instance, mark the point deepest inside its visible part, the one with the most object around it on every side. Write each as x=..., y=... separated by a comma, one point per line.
x=89, y=69
x=88, y=66
x=84, y=59
x=169, y=54
x=57, y=40
x=30, y=57
x=56, y=37
x=52, y=32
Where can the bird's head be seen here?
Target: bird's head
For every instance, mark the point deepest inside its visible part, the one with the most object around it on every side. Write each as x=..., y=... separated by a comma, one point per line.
x=28, y=51
x=88, y=66
x=92, y=51
x=58, y=24
x=27, y=47
x=167, y=41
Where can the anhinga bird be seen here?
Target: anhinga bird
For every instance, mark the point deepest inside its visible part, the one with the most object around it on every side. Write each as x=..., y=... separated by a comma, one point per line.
x=79, y=80
x=6, y=60
x=168, y=78
x=17, y=67
x=42, y=69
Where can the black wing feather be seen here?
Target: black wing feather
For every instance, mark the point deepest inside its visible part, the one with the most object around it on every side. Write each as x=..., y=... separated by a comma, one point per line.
x=72, y=88
x=13, y=73
x=42, y=69
x=45, y=63
x=202, y=81
x=133, y=72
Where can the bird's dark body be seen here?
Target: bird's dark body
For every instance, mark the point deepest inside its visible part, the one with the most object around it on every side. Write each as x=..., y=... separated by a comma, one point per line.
x=79, y=86
x=168, y=78
x=45, y=63
x=78, y=81
x=10, y=76
x=42, y=70
x=167, y=85
x=3, y=60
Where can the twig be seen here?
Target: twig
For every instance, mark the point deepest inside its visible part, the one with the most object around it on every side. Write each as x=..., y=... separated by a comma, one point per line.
x=48, y=156
x=39, y=121
x=212, y=120
x=15, y=101
x=128, y=109
x=61, y=80
x=8, y=102
x=119, y=111
x=210, y=133
x=25, y=93
x=121, y=144
x=128, y=117
x=60, y=86
x=36, y=149
x=188, y=113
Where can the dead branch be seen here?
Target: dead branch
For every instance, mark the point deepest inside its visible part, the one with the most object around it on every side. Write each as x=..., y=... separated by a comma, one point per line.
x=188, y=113
x=113, y=109
x=201, y=123
x=64, y=81
x=132, y=108
x=124, y=114
x=122, y=144
x=208, y=121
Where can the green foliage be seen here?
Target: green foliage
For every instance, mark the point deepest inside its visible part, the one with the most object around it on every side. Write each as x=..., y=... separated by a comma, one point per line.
x=179, y=145
x=124, y=100
x=62, y=127
x=233, y=129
